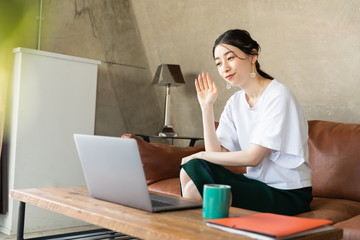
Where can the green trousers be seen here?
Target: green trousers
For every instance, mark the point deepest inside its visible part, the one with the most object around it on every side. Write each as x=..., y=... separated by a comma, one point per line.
x=249, y=193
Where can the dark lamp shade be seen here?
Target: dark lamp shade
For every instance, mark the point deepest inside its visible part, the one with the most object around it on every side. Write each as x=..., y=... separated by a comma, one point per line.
x=168, y=74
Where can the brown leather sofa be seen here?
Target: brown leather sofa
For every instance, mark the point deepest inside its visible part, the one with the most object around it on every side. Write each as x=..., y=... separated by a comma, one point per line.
x=334, y=150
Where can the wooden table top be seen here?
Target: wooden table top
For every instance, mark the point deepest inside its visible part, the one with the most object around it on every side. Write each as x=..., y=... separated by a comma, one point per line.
x=75, y=202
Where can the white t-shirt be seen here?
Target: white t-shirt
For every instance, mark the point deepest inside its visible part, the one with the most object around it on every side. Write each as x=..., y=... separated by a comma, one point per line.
x=276, y=122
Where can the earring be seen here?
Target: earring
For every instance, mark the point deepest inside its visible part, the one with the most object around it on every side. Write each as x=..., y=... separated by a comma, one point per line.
x=228, y=86
x=253, y=74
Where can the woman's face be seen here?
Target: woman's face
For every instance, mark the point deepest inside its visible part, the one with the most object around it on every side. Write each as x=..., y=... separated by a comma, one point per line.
x=233, y=65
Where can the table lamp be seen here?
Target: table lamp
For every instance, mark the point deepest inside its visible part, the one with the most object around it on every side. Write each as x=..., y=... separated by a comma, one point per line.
x=168, y=75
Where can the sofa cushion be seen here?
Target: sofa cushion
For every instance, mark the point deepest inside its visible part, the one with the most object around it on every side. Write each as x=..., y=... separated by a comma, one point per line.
x=351, y=228
x=337, y=210
x=334, y=154
x=168, y=186
x=161, y=161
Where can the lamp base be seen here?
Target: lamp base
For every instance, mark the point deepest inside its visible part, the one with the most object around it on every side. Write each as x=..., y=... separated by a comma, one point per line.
x=167, y=131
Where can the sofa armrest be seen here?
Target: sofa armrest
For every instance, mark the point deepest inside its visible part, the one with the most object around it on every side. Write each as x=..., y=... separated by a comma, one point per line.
x=161, y=161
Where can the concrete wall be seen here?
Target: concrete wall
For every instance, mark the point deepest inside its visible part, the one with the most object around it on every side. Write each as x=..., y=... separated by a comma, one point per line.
x=311, y=46
x=107, y=31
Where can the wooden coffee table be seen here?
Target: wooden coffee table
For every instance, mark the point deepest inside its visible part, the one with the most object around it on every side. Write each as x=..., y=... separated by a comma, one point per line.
x=75, y=202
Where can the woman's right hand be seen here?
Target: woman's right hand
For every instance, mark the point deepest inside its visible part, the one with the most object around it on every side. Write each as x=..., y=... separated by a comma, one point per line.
x=206, y=89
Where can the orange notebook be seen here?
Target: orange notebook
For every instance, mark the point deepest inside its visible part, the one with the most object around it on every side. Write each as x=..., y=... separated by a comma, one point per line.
x=270, y=226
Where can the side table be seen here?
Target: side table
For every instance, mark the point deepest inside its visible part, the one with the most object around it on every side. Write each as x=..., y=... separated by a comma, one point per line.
x=191, y=144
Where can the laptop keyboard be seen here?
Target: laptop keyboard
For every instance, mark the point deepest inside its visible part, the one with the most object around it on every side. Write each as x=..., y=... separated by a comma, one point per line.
x=156, y=203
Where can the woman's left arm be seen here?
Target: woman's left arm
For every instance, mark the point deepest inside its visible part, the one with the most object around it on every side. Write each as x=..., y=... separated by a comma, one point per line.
x=250, y=157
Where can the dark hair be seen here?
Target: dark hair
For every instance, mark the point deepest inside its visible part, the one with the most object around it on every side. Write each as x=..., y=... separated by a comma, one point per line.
x=243, y=41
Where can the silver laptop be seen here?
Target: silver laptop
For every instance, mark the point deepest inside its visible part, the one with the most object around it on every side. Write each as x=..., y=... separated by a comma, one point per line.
x=113, y=172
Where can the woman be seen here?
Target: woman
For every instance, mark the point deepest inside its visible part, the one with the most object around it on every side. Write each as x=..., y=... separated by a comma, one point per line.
x=262, y=127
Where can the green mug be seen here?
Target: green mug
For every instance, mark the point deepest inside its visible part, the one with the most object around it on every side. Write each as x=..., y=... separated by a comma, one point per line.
x=216, y=201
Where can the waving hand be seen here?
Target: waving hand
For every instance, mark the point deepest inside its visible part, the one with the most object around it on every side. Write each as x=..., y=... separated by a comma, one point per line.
x=206, y=89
